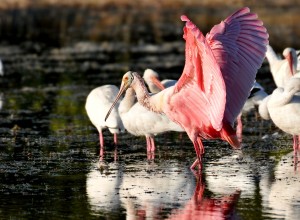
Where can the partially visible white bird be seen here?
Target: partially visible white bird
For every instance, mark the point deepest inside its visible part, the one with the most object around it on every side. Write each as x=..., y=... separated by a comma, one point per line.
x=139, y=121
x=154, y=84
x=255, y=98
x=282, y=69
x=283, y=107
x=97, y=104
x=281, y=192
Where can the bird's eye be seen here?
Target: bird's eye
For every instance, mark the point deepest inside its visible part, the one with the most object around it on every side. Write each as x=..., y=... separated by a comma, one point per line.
x=126, y=78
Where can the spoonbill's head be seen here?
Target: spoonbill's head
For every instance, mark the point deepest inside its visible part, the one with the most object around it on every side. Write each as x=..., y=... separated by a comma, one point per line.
x=127, y=80
x=291, y=56
x=151, y=78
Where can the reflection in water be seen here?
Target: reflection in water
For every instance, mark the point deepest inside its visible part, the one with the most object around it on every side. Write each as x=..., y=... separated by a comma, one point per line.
x=235, y=173
x=281, y=197
x=199, y=207
x=102, y=189
x=154, y=191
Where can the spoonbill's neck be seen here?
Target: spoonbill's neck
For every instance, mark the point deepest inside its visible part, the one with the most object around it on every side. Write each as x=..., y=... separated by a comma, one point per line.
x=143, y=96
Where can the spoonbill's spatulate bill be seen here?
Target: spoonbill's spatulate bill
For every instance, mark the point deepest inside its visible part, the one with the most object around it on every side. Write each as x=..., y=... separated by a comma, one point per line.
x=218, y=75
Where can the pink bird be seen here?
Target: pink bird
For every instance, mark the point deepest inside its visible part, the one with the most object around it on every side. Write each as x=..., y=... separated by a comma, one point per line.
x=218, y=75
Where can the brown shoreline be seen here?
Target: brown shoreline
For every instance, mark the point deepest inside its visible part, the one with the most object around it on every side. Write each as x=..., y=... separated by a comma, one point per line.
x=66, y=22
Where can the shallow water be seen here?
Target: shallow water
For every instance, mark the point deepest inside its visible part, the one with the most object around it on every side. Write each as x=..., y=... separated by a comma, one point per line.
x=50, y=168
x=49, y=150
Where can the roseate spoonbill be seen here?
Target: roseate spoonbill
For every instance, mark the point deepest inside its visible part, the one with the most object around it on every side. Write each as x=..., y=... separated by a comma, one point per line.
x=282, y=69
x=283, y=108
x=151, y=78
x=218, y=75
x=139, y=121
x=97, y=104
x=255, y=98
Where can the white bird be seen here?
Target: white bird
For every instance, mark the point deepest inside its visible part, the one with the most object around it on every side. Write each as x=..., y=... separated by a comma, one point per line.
x=282, y=69
x=255, y=98
x=283, y=108
x=151, y=78
x=139, y=121
x=97, y=104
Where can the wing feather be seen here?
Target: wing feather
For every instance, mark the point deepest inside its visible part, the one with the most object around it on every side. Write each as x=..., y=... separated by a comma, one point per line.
x=202, y=69
x=239, y=45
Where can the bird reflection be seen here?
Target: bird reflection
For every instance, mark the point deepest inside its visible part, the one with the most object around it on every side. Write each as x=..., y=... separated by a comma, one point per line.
x=281, y=192
x=102, y=188
x=200, y=207
x=155, y=191
x=235, y=171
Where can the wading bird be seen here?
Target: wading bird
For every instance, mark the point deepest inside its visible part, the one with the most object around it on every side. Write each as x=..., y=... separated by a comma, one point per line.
x=283, y=108
x=140, y=121
x=218, y=75
x=282, y=69
x=97, y=104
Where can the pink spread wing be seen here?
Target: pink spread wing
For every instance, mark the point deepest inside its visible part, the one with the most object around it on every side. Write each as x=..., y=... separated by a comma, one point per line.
x=239, y=46
x=202, y=69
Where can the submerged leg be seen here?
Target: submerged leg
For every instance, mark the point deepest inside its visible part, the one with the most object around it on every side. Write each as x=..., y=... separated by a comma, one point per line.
x=101, y=140
x=101, y=153
x=115, y=139
x=152, y=144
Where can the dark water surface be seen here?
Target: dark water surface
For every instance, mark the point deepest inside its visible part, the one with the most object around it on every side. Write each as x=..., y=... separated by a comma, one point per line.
x=49, y=149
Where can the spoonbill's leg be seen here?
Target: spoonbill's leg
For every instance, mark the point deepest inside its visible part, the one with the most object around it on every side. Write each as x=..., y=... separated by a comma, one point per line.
x=295, y=144
x=239, y=127
x=101, y=153
x=148, y=144
x=101, y=140
x=296, y=148
x=199, y=148
x=115, y=139
x=152, y=150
